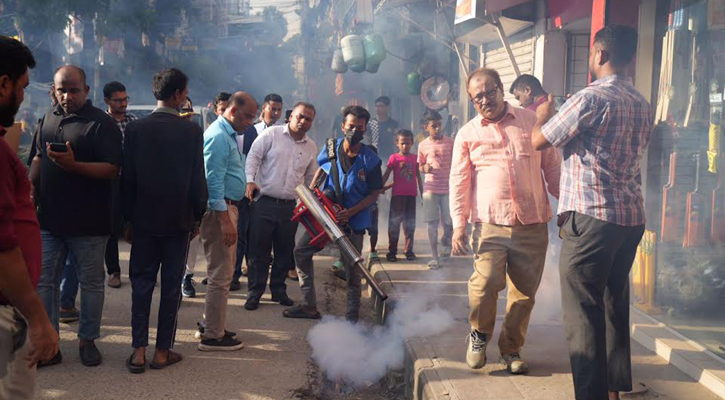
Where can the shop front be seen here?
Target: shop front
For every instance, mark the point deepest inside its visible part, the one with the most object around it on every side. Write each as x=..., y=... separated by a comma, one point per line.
x=679, y=275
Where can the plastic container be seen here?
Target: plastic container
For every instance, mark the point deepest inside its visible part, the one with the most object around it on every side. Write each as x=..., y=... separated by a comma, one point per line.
x=338, y=62
x=374, y=48
x=371, y=67
x=413, y=84
x=353, y=52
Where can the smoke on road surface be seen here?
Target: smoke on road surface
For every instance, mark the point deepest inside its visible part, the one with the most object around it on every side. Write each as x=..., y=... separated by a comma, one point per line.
x=360, y=354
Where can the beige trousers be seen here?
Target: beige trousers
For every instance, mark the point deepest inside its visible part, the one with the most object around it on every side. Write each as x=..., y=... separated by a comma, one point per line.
x=220, y=270
x=17, y=380
x=512, y=255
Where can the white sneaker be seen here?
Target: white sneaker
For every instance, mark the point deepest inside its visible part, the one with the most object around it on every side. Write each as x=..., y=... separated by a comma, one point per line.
x=514, y=363
x=476, y=353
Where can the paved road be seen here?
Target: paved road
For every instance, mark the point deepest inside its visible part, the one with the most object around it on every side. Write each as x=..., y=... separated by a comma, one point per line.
x=274, y=363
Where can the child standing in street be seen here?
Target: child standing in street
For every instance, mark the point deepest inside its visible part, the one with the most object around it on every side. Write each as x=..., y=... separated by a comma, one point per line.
x=406, y=180
x=434, y=158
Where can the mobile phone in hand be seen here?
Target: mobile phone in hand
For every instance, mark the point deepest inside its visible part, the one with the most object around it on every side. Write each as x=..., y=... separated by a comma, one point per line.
x=59, y=147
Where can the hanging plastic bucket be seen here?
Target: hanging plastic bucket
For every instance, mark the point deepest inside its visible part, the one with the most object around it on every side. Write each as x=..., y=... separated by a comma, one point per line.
x=353, y=52
x=413, y=84
x=338, y=62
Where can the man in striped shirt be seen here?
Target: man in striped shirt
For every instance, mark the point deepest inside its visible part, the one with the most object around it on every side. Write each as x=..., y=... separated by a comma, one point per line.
x=603, y=132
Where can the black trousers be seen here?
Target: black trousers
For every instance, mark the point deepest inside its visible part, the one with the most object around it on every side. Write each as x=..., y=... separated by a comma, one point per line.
x=402, y=211
x=112, y=264
x=245, y=210
x=270, y=227
x=596, y=257
x=148, y=254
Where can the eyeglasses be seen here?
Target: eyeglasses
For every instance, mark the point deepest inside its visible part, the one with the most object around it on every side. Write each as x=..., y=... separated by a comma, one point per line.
x=490, y=95
x=119, y=101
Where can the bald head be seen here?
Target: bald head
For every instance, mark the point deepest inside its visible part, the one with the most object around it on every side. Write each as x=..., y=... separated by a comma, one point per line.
x=241, y=111
x=70, y=72
x=71, y=91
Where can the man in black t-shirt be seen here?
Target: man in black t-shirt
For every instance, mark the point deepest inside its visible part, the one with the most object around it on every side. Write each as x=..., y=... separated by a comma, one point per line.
x=78, y=154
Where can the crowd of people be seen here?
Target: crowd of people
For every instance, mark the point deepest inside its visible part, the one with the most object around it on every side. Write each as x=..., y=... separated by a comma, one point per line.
x=171, y=188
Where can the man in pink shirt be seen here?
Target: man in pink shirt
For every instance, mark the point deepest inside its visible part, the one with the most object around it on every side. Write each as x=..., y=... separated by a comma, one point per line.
x=499, y=182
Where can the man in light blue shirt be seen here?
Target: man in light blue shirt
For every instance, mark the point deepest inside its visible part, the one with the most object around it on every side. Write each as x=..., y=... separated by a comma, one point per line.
x=224, y=163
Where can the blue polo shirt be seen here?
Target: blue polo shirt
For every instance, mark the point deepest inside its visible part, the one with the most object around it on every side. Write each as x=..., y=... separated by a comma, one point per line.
x=224, y=164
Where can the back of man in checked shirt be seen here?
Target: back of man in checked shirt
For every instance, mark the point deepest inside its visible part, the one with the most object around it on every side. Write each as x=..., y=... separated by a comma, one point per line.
x=603, y=131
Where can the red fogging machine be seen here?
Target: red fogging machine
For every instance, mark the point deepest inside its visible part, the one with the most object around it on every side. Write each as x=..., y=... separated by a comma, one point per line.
x=317, y=214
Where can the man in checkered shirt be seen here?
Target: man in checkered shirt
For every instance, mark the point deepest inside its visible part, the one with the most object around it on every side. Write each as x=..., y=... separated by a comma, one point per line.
x=603, y=132
x=115, y=96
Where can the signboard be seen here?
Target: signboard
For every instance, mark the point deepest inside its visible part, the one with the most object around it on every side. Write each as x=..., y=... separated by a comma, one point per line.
x=173, y=43
x=716, y=14
x=465, y=10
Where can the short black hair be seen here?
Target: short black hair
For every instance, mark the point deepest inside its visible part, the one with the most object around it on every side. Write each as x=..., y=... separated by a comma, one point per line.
x=17, y=58
x=222, y=96
x=273, y=97
x=491, y=73
x=167, y=82
x=383, y=99
x=113, y=87
x=527, y=80
x=430, y=115
x=357, y=112
x=404, y=133
x=301, y=104
x=619, y=41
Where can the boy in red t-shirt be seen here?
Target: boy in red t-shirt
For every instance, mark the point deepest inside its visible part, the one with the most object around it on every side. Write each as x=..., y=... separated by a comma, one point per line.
x=406, y=180
x=434, y=157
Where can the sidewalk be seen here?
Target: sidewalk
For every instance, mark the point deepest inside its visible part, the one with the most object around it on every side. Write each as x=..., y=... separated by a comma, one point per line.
x=435, y=367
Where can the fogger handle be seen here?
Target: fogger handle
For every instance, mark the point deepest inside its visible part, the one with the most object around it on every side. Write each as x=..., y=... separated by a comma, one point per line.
x=354, y=256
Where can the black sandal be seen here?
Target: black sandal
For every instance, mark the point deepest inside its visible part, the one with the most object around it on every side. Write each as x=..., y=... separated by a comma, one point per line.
x=135, y=368
x=171, y=359
x=298, y=312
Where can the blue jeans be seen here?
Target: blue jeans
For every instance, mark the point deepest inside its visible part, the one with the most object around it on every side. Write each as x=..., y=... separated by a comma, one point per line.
x=88, y=253
x=69, y=284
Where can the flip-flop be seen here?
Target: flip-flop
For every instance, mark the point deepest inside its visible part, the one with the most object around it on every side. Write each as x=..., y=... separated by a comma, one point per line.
x=135, y=368
x=298, y=312
x=171, y=359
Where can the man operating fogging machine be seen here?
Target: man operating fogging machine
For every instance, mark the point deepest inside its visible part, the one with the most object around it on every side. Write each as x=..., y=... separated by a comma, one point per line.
x=354, y=179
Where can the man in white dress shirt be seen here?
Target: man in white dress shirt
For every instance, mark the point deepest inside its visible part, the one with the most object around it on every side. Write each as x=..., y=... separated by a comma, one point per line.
x=280, y=159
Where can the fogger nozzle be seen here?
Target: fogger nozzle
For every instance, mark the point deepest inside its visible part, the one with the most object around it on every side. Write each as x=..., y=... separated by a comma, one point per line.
x=337, y=235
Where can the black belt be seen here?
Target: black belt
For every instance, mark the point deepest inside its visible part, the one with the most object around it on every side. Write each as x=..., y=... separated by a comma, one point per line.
x=234, y=203
x=276, y=200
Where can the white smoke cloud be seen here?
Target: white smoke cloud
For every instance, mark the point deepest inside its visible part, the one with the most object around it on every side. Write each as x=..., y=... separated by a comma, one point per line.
x=359, y=354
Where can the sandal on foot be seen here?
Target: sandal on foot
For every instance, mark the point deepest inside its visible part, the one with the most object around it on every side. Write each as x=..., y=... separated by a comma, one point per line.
x=298, y=312
x=135, y=368
x=171, y=359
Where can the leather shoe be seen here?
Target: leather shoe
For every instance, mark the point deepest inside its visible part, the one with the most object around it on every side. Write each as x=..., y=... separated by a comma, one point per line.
x=283, y=300
x=235, y=285
x=251, y=304
x=90, y=356
x=57, y=358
